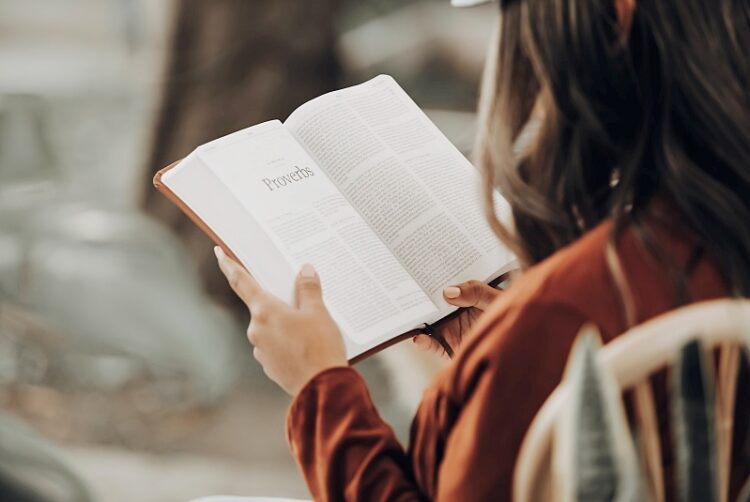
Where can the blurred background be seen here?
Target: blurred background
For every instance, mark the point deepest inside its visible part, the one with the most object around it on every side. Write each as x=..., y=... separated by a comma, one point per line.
x=124, y=372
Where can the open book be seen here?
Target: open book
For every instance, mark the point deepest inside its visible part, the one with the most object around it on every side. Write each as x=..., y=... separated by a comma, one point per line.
x=362, y=185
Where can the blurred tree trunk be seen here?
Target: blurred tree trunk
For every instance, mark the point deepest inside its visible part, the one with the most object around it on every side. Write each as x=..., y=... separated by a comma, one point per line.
x=232, y=64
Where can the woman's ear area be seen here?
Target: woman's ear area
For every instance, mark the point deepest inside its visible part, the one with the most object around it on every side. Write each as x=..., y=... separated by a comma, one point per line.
x=625, y=10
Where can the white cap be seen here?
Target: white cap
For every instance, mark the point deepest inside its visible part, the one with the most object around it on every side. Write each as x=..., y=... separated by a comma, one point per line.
x=468, y=3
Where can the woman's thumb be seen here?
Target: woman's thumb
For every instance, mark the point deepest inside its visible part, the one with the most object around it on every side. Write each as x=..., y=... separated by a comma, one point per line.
x=470, y=294
x=307, y=292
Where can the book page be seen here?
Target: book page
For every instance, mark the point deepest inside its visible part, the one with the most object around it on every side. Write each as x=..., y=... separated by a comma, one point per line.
x=416, y=190
x=370, y=295
x=209, y=199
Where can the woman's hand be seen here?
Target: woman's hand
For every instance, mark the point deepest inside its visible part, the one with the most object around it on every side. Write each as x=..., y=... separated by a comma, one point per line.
x=292, y=343
x=474, y=297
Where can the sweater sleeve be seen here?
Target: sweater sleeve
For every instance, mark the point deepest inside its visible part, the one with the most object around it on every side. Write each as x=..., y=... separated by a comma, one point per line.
x=343, y=447
x=500, y=383
x=468, y=429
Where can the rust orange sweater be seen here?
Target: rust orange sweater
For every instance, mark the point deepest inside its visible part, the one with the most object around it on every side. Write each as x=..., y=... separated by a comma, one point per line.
x=470, y=424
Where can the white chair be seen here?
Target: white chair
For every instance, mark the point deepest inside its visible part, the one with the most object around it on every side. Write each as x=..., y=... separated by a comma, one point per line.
x=632, y=358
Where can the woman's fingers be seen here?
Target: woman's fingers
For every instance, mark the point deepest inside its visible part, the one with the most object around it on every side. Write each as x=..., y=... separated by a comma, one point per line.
x=424, y=342
x=239, y=279
x=427, y=343
x=471, y=294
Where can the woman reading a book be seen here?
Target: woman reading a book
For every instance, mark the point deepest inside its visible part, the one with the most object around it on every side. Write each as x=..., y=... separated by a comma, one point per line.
x=640, y=160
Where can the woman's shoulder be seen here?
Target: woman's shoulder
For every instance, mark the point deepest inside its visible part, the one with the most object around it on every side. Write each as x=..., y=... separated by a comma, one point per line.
x=537, y=318
x=575, y=279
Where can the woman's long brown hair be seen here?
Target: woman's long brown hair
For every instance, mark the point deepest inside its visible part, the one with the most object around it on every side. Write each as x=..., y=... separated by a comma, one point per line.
x=619, y=117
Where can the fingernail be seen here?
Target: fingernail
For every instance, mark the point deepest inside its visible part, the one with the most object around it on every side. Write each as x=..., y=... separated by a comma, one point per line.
x=452, y=292
x=224, y=264
x=308, y=271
